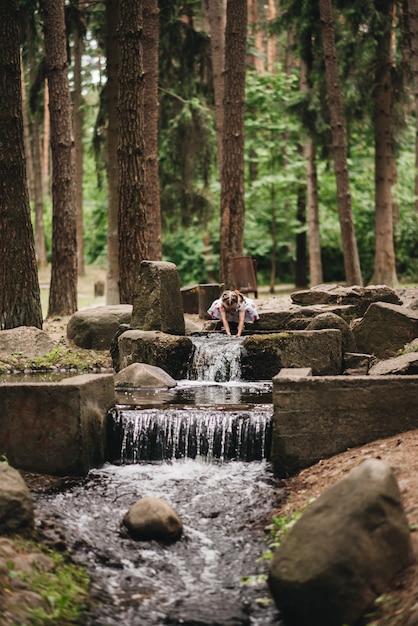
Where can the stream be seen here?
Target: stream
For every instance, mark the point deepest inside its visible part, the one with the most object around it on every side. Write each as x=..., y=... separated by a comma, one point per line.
x=203, y=446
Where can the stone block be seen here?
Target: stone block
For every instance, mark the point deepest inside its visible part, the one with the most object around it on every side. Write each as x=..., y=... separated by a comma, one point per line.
x=319, y=417
x=56, y=428
x=157, y=302
x=263, y=356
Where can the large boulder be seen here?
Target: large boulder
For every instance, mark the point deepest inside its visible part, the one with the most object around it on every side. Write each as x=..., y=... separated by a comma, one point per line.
x=385, y=329
x=16, y=504
x=153, y=518
x=169, y=352
x=263, y=356
x=93, y=328
x=157, y=302
x=359, y=297
x=142, y=375
x=332, y=320
x=343, y=551
x=27, y=340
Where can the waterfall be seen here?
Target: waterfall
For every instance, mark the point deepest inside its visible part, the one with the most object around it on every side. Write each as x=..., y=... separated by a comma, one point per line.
x=215, y=419
x=157, y=435
x=216, y=358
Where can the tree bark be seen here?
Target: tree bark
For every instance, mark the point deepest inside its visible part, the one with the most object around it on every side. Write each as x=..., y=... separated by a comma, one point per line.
x=339, y=139
x=112, y=274
x=413, y=22
x=151, y=22
x=314, y=239
x=63, y=288
x=78, y=138
x=384, y=258
x=232, y=184
x=20, y=302
x=216, y=16
x=131, y=149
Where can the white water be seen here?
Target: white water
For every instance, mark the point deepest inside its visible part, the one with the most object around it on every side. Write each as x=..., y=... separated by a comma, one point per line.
x=216, y=358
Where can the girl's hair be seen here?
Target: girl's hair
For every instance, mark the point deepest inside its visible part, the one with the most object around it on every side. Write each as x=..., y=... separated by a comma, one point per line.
x=230, y=298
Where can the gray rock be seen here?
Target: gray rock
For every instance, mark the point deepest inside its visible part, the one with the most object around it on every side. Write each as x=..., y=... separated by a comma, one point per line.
x=385, y=329
x=406, y=364
x=360, y=297
x=169, y=352
x=263, y=356
x=140, y=375
x=93, y=328
x=331, y=320
x=16, y=504
x=157, y=302
x=153, y=518
x=343, y=551
x=27, y=340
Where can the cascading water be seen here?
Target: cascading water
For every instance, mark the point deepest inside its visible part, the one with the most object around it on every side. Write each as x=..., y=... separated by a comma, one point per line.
x=216, y=358
x=176, y=444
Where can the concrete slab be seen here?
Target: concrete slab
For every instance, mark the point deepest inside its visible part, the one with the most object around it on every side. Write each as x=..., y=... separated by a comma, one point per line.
x=56, y=428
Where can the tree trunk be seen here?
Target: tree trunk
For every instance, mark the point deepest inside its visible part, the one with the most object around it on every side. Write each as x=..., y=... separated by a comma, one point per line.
x=271, y=52
x=384, y=258
x=151, y=21
x=36, y=141
x=301, y=266
x=78, y=137
x=256, y=60
x=131, y=150
x=26, y=136
x=315, y=262
x=40, y=245
x=339, y=139
x=216, y=17
x=63, y=288
x=112, y=274
x=20, y=302
x=232, y=188
x=46, y=144
x=413, y=22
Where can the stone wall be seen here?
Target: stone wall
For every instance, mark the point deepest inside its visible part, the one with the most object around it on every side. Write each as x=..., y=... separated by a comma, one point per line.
x=318, y=417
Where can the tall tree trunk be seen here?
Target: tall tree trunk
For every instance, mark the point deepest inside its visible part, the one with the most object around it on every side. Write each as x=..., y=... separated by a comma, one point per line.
x=257, y=60
x=216, y=17
x=315, y=262
x=63, y=288
x=131, y=150
x=339, y=139
x=26, y=136
x=78, y=138
x=46, y=143
x=151, y=22
x=413, y=22
x=20, y=302
x=271, y=52
x=232, y=190
x=384, y=258
x=112, y=273
x=40, y=244
x=301, y=266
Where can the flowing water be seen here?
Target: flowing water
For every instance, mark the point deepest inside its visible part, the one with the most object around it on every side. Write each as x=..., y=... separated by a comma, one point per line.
x=204, y=448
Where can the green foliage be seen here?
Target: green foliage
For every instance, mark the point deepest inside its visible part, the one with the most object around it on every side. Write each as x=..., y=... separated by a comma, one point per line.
x=194, y=252
x=277, y=530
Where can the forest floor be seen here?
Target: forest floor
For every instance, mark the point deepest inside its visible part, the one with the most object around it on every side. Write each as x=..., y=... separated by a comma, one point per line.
x=399, y=605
